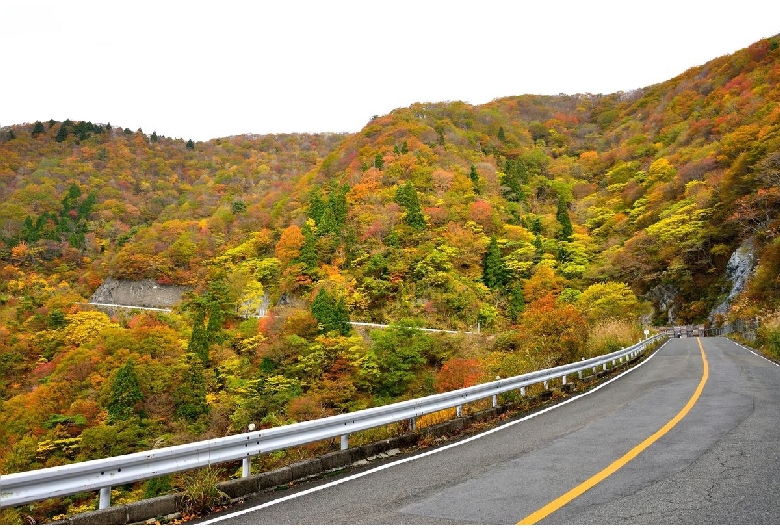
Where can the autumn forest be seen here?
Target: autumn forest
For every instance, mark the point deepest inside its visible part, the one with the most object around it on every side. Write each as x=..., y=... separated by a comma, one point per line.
x=542, y=229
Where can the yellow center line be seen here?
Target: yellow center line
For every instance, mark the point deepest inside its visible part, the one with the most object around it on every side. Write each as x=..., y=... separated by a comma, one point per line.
x=564, y=499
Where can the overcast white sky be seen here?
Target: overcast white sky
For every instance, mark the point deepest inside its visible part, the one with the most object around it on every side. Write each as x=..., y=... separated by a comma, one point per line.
x=203, y=70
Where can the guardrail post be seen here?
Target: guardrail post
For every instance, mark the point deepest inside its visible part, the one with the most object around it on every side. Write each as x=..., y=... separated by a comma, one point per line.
x=579, y=373
x=459, y=411
x=105, y=498
x=344, y=442
x=246, y=467
x=604, y=367
x=547, y=385
x=413, y=424
x=495, y=396
x=563, y=380
x=522, y=391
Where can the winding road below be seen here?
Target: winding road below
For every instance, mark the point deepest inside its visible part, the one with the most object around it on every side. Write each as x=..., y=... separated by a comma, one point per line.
x=690, y=436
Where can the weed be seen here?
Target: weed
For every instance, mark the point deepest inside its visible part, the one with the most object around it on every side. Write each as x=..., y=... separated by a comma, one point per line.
x=200, y=491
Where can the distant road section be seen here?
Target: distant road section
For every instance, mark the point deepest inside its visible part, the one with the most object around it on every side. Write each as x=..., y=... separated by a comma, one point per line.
x=120, y=306
x=718, y=464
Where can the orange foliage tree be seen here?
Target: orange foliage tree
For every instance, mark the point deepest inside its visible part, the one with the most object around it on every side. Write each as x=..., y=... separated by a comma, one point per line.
x=458, y=373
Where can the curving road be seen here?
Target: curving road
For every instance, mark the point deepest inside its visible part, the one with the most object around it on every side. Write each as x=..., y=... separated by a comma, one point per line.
x=690, y=436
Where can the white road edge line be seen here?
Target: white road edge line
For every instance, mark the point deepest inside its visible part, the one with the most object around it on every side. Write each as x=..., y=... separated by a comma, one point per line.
x=427, y=453
x=753, y=352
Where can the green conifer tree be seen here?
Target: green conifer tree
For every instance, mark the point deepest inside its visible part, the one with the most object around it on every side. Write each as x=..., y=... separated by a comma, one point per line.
x=199, y=340
x=516, y=302
x=308, y=254
x=327, y=223
x=125, y=393
x=406, y=196
x=214, y=326
x=62, y=133
x=337, y=201
x=331, y=314
x=316, y=205
x=189, y=395
x=473, y=175
x=37, y=129
x=494, y=273
x=563, y=218
x=515, y=175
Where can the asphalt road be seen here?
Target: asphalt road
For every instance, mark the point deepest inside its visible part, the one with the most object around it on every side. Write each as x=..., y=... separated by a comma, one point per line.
x=719, y=464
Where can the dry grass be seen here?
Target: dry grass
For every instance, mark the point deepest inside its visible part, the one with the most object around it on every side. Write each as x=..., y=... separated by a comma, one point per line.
x=435, y=418
x=611, y=335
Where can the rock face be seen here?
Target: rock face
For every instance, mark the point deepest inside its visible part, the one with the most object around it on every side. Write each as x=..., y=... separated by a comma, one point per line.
x=665, y=297
x=740, y=267
x=144, y=293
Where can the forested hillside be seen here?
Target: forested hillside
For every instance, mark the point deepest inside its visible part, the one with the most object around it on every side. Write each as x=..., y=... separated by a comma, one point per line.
x=557, y=226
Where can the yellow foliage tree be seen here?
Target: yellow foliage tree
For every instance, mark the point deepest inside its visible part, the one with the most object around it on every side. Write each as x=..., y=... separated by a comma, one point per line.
x=85, y=326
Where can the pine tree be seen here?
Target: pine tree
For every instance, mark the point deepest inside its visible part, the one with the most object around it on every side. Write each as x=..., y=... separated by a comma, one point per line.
x=406, y=196
x=85, y=208
x=70, y=199
x=62, y=133
x=539, y=246
x=37, y=129
x=341, y=318
x=563, y=218
x=534, y=224
x=331, y=314
x=501, y=134
x=308, y=254
x=328, y=223
x=337, y=201
x=494, y=272
x=214, y=326
x=515, y=175
x=473, y=175
x=199, y=340
x=322, y=307
x=190, y=144
x=189, y=396
x=125, y=393
x=316, y=205
x=516, y=302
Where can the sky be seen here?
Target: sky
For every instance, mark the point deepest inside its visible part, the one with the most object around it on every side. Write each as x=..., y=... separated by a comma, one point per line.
x=203, y=70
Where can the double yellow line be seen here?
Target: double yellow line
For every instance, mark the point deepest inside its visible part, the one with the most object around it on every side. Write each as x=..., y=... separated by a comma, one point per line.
x=566, y=498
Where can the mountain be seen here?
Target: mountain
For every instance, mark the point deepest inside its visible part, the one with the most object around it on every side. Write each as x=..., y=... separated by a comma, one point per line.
x=558, y=226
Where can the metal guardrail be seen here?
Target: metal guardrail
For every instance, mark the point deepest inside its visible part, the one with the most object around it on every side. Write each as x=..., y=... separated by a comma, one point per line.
x=29, y=486
x=745, y=327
